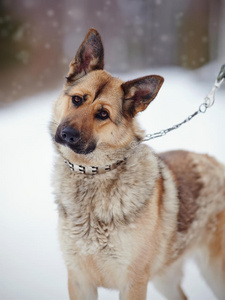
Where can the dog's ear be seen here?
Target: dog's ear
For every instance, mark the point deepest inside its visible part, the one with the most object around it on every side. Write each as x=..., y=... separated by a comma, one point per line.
x=89, y=57
x=139, y=93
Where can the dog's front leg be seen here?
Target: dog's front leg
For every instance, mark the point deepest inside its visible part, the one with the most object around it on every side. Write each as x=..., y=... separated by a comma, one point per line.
x=80, y=289
x=134, y=291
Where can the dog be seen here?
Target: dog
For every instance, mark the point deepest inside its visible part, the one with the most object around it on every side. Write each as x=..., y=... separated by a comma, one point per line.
x=126, y=214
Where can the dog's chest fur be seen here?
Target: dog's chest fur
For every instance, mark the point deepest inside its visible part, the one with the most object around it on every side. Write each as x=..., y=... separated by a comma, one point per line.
x=93, y=208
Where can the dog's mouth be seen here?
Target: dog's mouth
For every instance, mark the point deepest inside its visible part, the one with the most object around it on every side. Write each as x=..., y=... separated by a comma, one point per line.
x=71, y=138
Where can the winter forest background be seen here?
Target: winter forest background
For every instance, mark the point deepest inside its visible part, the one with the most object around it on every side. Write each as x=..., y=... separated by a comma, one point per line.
x=182, y=40
x=39, y=38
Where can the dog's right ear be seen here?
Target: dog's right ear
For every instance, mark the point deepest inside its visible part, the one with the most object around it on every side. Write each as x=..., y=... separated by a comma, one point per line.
x=89, y=57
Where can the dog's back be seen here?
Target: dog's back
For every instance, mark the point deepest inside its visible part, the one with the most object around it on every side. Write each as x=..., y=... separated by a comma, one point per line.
x=201, y=218
x=199, y=180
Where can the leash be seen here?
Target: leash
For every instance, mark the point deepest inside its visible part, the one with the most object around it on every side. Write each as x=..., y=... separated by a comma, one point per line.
x=208, y=102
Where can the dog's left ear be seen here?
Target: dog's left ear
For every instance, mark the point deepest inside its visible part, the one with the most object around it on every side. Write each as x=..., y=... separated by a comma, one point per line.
x=89, y=57
x=139, y=93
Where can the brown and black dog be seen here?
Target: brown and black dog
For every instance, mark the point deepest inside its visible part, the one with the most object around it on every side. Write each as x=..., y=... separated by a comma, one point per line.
x=126, y=214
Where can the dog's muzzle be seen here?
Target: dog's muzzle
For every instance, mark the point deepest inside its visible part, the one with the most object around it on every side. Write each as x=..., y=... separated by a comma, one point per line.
x=71, y=138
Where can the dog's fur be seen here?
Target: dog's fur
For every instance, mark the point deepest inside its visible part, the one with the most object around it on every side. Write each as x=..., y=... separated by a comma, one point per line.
x=139, y=221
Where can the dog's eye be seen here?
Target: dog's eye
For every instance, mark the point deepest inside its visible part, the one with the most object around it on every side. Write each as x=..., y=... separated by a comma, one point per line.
x=77, y=100
x=102, y=115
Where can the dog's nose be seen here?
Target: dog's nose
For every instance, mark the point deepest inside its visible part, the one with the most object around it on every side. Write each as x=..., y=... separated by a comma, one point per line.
x=70, y=135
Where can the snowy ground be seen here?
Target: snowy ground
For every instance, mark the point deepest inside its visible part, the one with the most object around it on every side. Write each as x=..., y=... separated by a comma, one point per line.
x=31, y=266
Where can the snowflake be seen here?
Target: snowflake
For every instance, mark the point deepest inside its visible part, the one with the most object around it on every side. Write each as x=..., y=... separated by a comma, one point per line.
x=50, y=13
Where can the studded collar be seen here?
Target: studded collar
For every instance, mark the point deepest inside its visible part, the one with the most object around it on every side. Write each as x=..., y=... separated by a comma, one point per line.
x=93, y=170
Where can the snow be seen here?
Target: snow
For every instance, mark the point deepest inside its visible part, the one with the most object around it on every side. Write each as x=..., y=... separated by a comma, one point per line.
x=31, y=265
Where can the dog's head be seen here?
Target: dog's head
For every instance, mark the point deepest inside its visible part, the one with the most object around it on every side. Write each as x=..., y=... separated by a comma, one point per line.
x=96, y=110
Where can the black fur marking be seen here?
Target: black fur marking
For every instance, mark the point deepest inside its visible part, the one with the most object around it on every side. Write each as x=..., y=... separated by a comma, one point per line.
x=100, y=90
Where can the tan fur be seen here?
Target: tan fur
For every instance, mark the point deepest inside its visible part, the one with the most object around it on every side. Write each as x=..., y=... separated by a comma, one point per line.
x=217, y=241
x=139, y=221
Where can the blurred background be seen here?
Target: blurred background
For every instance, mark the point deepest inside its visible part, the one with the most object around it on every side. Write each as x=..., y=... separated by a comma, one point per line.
x=39, y=38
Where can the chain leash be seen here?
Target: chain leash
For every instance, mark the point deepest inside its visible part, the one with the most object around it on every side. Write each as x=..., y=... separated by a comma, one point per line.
x=208, y=102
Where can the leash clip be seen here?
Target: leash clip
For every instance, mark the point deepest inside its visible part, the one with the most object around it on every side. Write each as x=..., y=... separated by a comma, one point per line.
x=208, y=102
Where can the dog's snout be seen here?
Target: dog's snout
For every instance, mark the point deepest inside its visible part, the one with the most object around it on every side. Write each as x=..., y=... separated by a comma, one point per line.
x=70, y=135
